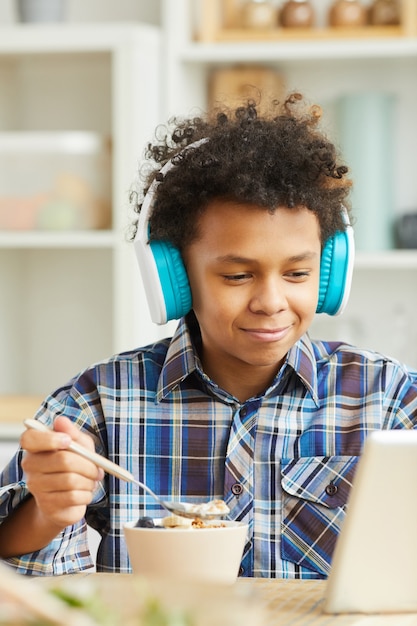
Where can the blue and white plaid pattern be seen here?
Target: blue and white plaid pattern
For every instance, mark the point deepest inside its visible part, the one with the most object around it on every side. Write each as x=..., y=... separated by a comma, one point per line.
x=283, y=461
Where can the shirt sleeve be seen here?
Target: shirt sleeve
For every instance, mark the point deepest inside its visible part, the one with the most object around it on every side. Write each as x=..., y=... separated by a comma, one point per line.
x=66, y=554
x=400, y=400
x=69, y=552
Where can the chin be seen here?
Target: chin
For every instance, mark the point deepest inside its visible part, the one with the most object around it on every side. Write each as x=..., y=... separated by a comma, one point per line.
x=268, y=363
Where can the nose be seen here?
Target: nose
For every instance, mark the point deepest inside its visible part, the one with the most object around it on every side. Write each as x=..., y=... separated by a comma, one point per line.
x=269, y=297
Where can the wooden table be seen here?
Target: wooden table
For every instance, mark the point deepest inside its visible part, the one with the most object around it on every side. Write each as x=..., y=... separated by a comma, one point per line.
x=250, y=602
x=300, y=603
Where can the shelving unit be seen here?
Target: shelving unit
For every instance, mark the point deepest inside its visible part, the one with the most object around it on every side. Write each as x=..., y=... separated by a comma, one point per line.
x=71, y=297
x=380, y=313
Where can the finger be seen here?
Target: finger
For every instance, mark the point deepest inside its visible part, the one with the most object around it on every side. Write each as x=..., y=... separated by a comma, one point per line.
x=65, y=426
x=54, y=501
x=60, y=483
x=34, y=441
x=60, y=462
x=61, y=510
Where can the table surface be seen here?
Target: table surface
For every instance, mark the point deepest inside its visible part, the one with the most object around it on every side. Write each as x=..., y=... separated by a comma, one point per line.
x=250, y=602
x=298, y=603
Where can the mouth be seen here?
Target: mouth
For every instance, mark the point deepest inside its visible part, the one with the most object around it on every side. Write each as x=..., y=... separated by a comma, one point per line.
x=267, y=335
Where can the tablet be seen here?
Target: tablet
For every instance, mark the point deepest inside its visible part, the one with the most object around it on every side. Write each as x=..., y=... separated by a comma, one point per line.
x=374, y=566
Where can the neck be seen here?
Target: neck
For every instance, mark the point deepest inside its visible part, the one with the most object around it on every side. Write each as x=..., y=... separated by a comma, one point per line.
x=243, y=383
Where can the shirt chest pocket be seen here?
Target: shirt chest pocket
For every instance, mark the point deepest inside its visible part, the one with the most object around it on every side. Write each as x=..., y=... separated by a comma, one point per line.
x=314, y=496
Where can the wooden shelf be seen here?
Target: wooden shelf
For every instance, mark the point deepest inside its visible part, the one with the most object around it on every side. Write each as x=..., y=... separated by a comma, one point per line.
x=219, y=20
x=14, y=409
x=308, y=34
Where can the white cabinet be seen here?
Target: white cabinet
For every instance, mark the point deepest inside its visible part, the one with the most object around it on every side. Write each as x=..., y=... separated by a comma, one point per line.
x=70, y=297
x=381, y=311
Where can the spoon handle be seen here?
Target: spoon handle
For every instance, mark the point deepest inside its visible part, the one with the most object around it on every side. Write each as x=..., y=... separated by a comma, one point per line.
x=100, y=461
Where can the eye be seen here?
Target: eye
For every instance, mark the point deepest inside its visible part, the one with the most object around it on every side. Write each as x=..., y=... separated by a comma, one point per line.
x=298, y=274
x=236, y=278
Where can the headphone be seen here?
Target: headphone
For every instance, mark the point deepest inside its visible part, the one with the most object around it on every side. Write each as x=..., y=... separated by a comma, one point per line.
x=166, y=282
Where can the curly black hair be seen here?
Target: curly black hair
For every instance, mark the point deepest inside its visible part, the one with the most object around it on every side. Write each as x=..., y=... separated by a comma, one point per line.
x=276, y=159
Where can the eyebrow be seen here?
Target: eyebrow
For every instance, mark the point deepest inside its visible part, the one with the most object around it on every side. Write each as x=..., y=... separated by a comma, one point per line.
x=297, y=258
x=231, y=258
x=305, y=256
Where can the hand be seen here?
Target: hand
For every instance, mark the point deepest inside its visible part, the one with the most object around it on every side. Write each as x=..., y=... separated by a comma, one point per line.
x=60, y=481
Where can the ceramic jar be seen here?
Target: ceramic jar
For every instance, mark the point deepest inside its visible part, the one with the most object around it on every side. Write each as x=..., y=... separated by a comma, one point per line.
x=384, y=13
x=347, y=13
x=297, y=14
x=41, y=10
x=258, y=14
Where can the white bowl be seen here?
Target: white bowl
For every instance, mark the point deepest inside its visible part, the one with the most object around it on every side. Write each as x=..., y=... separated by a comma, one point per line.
x=197, y=554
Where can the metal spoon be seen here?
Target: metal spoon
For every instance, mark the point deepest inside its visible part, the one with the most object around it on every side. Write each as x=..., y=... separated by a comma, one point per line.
x=207, y=510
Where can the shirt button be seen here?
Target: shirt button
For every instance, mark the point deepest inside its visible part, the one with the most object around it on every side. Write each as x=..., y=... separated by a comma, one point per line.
x=241, y=571
x=331, y=489
x=243, y=412
x=237, y=489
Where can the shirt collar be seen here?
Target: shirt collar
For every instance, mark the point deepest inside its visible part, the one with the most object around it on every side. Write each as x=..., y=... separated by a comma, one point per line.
x=182, y=360
x=302, y=360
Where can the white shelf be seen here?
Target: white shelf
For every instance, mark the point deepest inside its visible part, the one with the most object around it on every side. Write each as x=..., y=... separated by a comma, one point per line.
x=54, y=239
x=71, y=37
x=39, y=143
x=11, y=432
x=305, y=50
x=387, y=260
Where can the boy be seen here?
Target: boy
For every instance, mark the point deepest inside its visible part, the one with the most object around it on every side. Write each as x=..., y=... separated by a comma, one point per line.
x=249, y=238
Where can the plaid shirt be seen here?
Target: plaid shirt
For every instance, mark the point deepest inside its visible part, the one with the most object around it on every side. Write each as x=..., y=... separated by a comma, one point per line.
x=283, y=461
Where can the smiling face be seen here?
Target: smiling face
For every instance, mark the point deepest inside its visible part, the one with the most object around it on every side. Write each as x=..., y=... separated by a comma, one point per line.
x=254, y=279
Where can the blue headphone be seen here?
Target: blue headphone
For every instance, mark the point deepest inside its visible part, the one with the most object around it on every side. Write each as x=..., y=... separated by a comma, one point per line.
x=166, y=282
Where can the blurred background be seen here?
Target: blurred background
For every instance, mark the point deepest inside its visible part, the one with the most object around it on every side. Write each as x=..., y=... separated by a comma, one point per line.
x=83, y=84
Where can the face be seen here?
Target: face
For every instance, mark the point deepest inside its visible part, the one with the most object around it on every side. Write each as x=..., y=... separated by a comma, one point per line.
x=254, y=279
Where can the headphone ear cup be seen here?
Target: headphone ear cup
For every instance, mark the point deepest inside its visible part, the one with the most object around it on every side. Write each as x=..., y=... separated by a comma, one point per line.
x=173, y=279
x=325, y=271
x=164, y=278
x=163, y=272
x=336, y=267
